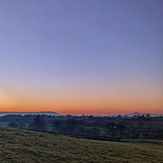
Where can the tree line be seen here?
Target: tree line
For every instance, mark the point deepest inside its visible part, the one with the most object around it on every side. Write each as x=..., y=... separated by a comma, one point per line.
x=119, y=126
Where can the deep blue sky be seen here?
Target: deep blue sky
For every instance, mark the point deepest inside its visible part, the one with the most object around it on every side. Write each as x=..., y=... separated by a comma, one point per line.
x=111, y=48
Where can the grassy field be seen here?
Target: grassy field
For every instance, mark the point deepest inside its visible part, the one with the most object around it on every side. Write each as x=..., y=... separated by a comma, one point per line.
x=27, y=146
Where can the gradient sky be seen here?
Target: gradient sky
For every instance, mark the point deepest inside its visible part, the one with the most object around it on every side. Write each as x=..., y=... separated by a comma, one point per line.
x=108, y=56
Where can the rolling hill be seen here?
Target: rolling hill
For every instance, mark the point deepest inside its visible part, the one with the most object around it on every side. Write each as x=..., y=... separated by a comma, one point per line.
x=29, y=113
x=28, y=146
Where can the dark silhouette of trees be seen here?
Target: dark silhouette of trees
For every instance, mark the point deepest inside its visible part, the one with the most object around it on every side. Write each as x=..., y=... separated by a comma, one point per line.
x=141, y=119
x=112, y=127
x=121, y=128
x=38, y=124
x=138, y=126
x=13, y=124
x=57, y=125
x=95, y=132
x=71, y=124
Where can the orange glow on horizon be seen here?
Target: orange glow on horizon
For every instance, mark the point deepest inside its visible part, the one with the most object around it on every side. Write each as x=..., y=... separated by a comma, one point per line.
x=95, y=100
x=85, y=108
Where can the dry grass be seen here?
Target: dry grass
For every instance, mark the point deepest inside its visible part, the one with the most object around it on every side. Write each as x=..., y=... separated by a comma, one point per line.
x=27, y=146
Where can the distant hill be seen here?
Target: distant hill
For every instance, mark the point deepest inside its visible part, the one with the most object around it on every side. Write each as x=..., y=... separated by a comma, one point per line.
x=27, y=113
x=136, y=114
x=27, y=146
x=140, y=114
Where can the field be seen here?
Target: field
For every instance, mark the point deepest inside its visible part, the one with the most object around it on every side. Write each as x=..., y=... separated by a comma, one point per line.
x=27, y=146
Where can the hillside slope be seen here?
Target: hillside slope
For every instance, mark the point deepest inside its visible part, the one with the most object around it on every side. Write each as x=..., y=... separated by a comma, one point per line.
x=27, y=146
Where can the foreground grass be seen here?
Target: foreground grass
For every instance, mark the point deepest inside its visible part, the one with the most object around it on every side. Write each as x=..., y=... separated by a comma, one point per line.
x=27, y=146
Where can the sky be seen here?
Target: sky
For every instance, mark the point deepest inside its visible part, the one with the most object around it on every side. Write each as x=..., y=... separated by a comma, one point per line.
x=81, y=56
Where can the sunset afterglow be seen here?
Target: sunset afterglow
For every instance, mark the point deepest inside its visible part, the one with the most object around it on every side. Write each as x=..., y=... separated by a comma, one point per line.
x=108, y=56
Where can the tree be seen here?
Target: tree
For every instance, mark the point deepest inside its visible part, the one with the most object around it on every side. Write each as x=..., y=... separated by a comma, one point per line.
x=121, y=128
x=112, y=127
x=141, y=119
x=13, y=124
x=57, y=125
x=71, y=123
x=95, y=131
x=38, y=124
